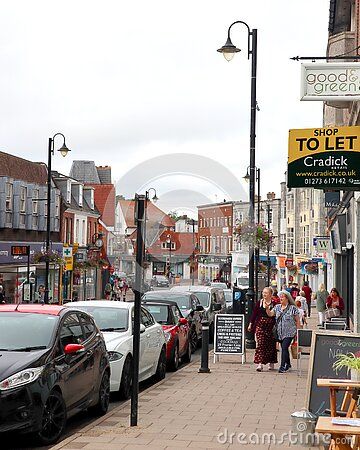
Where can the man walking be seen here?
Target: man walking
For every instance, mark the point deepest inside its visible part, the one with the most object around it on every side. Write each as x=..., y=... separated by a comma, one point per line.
x=307, y=291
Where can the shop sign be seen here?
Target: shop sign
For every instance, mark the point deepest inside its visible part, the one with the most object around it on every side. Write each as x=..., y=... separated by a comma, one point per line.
x=324, y=158
x=20, y=250
x=332, y=199
x=67, y=252
x=69, y=262
x=330, y=81
x=6, y=257
x=289, y=262
x=323, y=244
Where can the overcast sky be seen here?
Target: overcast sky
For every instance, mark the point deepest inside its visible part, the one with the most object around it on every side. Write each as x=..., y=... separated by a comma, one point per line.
x=131, y=81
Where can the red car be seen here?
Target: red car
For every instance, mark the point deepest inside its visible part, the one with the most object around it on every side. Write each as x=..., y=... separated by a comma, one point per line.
x=176, y=329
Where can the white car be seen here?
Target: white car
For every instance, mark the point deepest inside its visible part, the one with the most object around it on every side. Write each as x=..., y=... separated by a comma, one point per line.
x=115, y=322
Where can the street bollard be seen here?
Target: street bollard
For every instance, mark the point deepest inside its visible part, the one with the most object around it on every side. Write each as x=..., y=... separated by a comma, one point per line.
x=205, y=348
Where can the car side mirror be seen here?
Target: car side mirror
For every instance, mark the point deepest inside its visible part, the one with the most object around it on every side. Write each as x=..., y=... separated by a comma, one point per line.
x=183, y=321
x=142, y=328
x=71, y=349
x=199, y=308
x=217, y=306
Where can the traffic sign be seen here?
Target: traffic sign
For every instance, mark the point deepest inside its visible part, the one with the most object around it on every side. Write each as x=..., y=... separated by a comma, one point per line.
x=69, y=262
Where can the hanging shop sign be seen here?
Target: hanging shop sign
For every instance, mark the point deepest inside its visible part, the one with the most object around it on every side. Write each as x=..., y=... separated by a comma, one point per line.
x=330, y=81
x=332, y=199
x=324, y=158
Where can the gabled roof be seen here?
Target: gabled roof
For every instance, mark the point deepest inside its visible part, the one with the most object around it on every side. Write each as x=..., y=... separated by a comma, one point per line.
x=154, y=214
x=104, y=196
x=184, y=244
x=22, y=169
x=85, y=171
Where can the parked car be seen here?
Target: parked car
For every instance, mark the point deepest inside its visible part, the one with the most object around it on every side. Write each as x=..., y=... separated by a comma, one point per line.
x=115, y=320
x=54, y=364
x=190, y=308
x=228, y=293
x=212, y=299
x=176, y=329
x=159, y=281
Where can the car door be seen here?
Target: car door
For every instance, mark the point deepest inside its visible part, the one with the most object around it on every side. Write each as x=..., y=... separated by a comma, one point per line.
x=197, y=316
x=142, y=349
x=183, y=330
x=93, y=348
x=153, y=333
x=76, y=369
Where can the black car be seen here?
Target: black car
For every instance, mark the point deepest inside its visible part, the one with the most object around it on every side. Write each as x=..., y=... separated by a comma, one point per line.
x=189, y=306
x=53, y=364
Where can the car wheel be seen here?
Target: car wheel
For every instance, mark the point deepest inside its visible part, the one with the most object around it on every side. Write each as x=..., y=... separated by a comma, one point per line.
x=126, y=379
x=53, y=419
x=102, y=404
x=161, y=366
x=187, y=357
x=193, y=340
x=174, y=364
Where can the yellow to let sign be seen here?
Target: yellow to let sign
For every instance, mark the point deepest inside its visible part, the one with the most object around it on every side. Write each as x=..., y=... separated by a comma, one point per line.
x=324, y=158
x=68, y=262
x=311, y=141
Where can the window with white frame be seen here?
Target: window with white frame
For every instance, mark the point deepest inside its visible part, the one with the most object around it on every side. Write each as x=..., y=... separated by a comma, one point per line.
x=9, y=196
x=57, y=206
x=23, y=192
x=35, y=202
x=77, y=229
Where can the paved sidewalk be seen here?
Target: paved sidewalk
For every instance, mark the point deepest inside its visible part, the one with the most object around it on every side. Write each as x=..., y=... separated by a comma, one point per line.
x=192, y=410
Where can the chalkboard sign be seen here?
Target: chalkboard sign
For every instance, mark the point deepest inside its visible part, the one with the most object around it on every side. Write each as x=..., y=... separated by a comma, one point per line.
x=325, y=346
x=229, y=334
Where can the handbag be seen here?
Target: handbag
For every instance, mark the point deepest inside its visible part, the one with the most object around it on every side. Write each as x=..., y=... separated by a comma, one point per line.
x=331, y=312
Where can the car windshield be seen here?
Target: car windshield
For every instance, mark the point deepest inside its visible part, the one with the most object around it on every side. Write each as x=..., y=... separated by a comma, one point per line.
x=26, y=331
x=204, y=298
x=183, y=301
x=243, y=281
x=228, y=296
x=219, y=285
x=161, y=278
x=160, y=313
x=108, y=319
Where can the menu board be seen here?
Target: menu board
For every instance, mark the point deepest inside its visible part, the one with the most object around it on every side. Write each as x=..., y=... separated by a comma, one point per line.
x=229, y=334
x=325, y=347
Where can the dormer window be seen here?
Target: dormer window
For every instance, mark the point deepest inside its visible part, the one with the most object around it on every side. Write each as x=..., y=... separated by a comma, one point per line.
x=80, y=198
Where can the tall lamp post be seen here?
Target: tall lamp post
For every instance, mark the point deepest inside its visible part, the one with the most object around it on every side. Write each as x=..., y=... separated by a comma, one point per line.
x=269, y=220
x=257, y=250
x=229, y=50
x=169, y=243
x=64, y=151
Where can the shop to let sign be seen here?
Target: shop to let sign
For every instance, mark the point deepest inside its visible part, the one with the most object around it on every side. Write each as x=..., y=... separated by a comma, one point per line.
x=324, y=158
x=20, y=250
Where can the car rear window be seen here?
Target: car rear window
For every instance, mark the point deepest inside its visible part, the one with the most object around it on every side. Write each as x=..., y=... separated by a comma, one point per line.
x=204, y=298
x=26, y=331
x=160, y=313
x=115, y=319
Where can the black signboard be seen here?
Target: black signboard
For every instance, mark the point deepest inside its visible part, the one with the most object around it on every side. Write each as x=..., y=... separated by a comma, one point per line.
x=332, y=199
x=229, y=334
x=325, y=347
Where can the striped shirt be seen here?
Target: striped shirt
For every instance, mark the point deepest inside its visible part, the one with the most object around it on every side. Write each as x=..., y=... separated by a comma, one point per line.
x=286, y=326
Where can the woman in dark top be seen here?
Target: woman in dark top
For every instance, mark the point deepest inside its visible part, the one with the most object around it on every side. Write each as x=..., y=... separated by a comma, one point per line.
x=262, y=325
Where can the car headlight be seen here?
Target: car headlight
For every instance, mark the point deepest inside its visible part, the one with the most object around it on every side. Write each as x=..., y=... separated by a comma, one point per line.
x=115, y=356
x=21, y=378
x=167, y=336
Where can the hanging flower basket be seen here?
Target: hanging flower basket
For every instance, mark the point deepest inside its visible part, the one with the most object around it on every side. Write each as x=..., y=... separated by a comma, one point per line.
x=256, y=235
x=262, y=267
x=52, y=256
x=293, y=269
x=311, y=268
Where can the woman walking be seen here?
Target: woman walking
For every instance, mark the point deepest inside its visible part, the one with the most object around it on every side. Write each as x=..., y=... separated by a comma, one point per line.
x=287, y=322
x=263, y=325
x=321, y=296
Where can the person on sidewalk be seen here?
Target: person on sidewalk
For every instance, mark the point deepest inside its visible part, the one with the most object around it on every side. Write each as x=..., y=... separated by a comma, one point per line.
x=287, y=323
x=302, y=313
x=275, y=297
x=263, y=325
x=304, y=305
x=335, y=301
x=321, y=296
x=307, y=291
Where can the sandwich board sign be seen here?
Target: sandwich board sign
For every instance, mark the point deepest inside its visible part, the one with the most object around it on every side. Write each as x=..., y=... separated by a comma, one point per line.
x=229, y=335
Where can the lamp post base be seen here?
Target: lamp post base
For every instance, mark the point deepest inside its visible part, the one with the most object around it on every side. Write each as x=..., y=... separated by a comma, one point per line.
x=250, y=344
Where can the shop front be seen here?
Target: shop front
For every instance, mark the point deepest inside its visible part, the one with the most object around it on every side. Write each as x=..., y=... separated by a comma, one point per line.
x=14, y=272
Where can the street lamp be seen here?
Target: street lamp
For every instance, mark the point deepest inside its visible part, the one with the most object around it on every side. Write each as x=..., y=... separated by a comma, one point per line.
x=64, y=151
x=257, y=250
x=169, y=243
x=229, y=50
